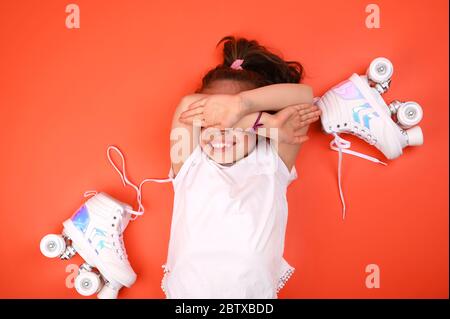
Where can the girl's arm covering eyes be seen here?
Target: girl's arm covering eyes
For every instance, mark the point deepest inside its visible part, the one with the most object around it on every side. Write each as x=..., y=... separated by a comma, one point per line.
x=224, y=110
x=275, y=97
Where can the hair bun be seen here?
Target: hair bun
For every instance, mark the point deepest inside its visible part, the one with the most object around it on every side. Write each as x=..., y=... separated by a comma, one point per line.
x=236, y=48
x=259, y=59
x=260, y=67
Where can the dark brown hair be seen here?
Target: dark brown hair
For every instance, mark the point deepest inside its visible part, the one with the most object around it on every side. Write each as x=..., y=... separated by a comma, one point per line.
x=260, y=67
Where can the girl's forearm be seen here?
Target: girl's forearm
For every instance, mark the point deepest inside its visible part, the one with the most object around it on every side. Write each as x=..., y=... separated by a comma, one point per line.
x=275, y=97
x=266, y=119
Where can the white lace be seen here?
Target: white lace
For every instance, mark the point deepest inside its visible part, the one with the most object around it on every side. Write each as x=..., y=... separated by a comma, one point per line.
x=126, y=181
x=117, y=238
x=284, y=278
x=163, y=280
x=343, y=146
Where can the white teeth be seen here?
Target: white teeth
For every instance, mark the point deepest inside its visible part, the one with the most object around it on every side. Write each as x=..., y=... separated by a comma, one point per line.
x=221, y=145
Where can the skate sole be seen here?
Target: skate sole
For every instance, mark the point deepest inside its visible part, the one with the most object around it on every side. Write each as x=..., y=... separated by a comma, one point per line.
x=86, y=252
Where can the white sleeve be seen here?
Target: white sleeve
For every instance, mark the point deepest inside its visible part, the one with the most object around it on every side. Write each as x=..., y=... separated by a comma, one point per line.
x=185, y=167
x=281, y=169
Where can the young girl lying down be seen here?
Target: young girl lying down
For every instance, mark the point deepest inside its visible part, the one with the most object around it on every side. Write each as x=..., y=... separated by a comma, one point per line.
x=233, y=148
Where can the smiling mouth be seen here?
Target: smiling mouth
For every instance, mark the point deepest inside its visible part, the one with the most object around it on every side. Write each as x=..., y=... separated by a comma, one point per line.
x=220, y=146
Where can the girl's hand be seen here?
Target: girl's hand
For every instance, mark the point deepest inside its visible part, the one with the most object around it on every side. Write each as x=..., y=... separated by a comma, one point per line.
x=292, y=122
x=216, y=110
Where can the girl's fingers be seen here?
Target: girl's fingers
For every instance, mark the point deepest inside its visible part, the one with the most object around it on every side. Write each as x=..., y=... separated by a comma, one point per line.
x=212, y=126
x=197, y=122
x=304, y=106
x=188, y=120
x=194, y=118
x=310, y=115
x=196, y=104
x=309, y=118
x=309, y=121
x=306, y=111
x=303, y=122
x=196, y=111
x=309, y=109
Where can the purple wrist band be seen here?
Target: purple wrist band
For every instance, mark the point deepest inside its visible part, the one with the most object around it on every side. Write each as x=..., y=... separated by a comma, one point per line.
x=257, y=123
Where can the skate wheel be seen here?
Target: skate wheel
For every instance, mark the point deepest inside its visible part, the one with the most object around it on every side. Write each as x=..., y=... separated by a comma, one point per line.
x=108, y=292
x=87, y=283
x=415, y=136
x=52, y=245
x=380, y=70
x=409, y=114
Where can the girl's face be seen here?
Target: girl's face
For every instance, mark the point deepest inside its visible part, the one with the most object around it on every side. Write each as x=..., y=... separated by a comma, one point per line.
x=229, y=145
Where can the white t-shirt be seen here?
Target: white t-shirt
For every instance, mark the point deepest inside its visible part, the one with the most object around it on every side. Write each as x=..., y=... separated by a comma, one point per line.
x=228, y=227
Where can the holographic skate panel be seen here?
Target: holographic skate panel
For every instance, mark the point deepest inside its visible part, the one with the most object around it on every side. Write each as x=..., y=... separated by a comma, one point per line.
x=364, y=113
x=102, y=244
x=81, y=219
x=97, y=239
x=98, y=233
x=348, y=91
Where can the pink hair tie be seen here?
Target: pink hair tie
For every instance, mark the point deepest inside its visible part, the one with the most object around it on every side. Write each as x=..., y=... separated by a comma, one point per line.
x=237, y=64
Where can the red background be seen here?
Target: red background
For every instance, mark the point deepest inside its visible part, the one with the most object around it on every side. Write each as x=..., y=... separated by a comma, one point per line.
x=67, y=94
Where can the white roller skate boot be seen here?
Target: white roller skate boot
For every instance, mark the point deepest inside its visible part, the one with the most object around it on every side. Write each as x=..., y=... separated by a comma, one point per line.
x=95, y=232
x=354, y=107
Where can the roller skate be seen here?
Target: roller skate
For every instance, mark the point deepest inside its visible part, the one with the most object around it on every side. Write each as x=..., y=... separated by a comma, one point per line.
x=356, y=107
x=95, y=232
